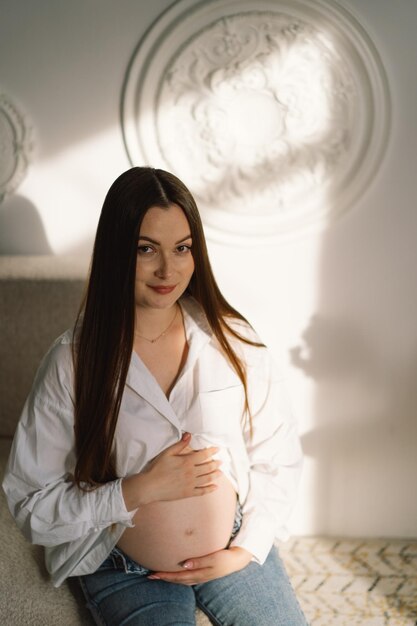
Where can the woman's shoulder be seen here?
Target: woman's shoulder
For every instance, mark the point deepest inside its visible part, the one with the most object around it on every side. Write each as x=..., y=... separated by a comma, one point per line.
x=57, y=363
x=239, y=328
x=61, y=347
x=245, y=331
x=246, y=343
x=243, y=339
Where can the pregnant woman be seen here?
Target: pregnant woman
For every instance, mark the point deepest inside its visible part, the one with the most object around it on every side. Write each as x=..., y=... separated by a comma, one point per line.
x=155, y=458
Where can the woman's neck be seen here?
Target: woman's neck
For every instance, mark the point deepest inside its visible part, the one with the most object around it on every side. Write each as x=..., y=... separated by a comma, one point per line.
x=151, y=322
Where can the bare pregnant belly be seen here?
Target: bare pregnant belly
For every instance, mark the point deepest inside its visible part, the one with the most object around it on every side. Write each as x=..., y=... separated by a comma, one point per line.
x=167, y=533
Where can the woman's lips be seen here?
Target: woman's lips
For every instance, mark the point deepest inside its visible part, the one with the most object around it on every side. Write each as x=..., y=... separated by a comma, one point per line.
x=163, y=290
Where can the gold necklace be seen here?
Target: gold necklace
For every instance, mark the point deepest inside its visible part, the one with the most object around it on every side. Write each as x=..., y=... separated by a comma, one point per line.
x=163, y=333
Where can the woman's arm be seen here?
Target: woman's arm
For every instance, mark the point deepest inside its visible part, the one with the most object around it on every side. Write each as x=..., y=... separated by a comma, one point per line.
x=275, y=458
x=43, y=498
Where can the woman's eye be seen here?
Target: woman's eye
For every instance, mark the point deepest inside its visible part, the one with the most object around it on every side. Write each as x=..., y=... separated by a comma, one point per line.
x=145, y=250
x=183, y=249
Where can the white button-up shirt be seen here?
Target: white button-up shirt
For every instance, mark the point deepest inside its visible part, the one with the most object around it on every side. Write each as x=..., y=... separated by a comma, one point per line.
x=79, y=529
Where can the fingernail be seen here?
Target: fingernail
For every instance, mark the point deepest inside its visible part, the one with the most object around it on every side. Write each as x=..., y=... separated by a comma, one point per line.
x=154, y=577
x=188, y=564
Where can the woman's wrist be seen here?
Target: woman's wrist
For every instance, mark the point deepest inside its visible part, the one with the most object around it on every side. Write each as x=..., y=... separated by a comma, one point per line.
x=244, y=555
x=134, y=491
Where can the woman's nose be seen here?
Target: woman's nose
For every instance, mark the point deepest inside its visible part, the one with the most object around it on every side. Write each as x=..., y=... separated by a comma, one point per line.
x=164, y=269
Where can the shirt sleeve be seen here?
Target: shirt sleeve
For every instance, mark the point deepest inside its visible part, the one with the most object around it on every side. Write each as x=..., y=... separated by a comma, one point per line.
x=47, y=505
x=275, y=461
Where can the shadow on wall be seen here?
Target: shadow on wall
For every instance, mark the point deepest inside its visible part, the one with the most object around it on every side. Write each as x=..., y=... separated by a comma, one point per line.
x=361, y=351
x=21, y=228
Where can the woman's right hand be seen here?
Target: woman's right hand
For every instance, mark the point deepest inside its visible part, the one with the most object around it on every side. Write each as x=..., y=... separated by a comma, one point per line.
x=177, y=472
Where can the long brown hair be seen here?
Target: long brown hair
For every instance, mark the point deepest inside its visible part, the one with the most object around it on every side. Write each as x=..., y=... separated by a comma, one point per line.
x=104, y=329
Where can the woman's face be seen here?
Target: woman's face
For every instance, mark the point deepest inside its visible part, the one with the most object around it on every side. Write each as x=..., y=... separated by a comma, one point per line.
x=165, y=262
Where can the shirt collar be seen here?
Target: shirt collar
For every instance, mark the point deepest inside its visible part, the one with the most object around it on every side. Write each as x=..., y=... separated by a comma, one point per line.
x=198, y=335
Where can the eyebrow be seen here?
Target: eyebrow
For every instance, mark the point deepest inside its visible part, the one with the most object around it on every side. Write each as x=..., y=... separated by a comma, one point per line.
x=158, y=243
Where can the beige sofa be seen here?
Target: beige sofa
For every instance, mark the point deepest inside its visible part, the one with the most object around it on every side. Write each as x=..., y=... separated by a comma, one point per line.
x=39, y=297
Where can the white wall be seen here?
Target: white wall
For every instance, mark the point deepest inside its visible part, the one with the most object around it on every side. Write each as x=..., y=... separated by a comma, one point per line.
x=338, y=308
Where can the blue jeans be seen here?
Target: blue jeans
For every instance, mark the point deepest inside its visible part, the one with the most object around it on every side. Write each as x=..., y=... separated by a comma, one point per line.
x=119, y=593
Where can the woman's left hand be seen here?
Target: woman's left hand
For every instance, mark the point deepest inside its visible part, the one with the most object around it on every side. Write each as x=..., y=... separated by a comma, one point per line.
x=208, y=567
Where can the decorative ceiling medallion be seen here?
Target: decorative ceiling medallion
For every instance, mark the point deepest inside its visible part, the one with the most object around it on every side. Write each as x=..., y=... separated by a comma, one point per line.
x=15, y=146
x=275, y=113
